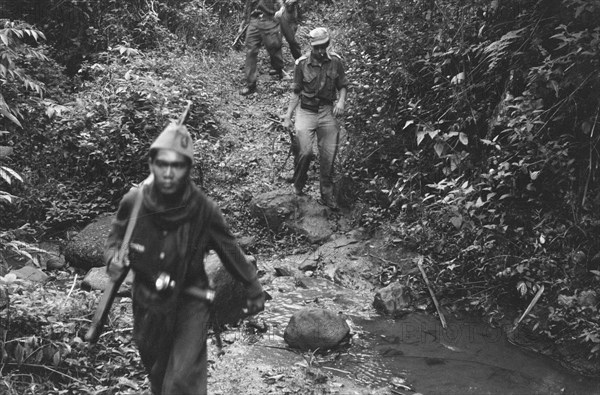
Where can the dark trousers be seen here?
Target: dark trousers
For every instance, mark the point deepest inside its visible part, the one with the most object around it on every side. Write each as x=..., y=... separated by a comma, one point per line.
x=262, y=31
x=173, y=347
x=289, y=27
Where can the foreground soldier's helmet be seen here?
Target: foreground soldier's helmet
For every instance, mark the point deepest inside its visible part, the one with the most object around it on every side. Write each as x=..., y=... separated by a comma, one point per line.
x=177, y=138
x=318, y=36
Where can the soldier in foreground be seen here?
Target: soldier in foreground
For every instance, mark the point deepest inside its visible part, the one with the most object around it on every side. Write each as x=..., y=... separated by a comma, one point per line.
x=176, y=226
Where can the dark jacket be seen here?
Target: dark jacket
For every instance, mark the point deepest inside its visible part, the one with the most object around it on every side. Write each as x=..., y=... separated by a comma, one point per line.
x=154, y=248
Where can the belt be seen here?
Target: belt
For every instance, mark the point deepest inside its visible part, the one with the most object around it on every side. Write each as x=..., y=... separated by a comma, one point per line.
x=200, y=293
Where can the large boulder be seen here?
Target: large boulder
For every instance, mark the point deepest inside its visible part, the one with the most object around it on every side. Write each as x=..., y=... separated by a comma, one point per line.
x=280, y=210
x=86, y=249
x=97, y=279
x=395, y=300
x=313, y=328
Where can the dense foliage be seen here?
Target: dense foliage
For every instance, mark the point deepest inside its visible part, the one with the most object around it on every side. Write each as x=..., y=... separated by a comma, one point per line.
x=477, y=126
x=80, y=147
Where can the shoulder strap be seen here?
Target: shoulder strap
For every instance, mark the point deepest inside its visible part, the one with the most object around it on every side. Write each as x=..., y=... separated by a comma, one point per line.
x=137, y=204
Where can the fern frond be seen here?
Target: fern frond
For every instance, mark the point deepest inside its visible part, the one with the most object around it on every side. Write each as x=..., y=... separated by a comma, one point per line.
x=499, y=49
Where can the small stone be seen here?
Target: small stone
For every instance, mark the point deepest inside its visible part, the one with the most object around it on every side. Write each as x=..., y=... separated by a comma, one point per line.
x=395, y=299
x=31, y=274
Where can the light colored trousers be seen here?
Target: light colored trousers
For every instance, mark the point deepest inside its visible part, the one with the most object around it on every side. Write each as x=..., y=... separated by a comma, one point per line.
x=325, y=128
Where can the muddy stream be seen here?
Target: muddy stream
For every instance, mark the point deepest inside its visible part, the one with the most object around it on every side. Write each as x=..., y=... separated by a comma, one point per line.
x=415, y=354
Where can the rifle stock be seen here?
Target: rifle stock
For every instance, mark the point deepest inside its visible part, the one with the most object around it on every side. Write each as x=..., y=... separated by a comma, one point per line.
x=106, y=301
x=108, y=296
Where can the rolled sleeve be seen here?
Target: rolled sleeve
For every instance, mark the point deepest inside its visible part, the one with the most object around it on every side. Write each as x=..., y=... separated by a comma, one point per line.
x=298, y=78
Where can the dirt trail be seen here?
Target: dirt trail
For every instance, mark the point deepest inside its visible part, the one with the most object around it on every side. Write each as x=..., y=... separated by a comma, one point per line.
x=252, y=155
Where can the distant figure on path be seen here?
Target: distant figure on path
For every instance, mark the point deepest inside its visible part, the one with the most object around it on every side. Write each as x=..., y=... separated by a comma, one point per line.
x=288, y=18
x=176, y=226
x=318, y=77
x=263, y=29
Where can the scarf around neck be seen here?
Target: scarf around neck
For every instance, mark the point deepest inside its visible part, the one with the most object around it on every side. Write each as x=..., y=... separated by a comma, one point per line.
x=170, y=216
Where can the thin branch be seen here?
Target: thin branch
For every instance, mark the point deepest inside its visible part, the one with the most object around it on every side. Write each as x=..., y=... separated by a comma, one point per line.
x=435, y=301
x=70, y=290
x=29, y=365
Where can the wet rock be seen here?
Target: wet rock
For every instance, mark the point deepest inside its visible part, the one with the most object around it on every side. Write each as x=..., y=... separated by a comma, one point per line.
x=395, y=299
x=284, y=269
x=281, y=209
x=30, y=273
x=51, y=257
x=55, y=262
x=86, y=249
x=313, y=328
x=308, y=264
x=97, y=279
x=283, y=284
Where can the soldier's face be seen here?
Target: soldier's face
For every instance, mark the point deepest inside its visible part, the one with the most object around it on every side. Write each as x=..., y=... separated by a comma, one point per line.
x=320, y=51
x=170, y=170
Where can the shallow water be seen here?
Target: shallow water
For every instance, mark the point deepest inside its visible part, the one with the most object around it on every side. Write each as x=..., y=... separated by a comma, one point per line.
x=415, y=354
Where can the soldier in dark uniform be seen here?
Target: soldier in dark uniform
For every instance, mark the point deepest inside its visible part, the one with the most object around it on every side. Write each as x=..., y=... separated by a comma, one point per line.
x=263, y=29
x=177, y=225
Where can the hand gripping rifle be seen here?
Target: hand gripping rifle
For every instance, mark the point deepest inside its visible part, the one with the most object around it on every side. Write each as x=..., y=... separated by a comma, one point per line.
x=111, y=289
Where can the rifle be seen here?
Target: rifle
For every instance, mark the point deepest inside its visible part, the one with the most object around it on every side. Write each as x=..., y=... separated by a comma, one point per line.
x=111, y=289
x=240, y=38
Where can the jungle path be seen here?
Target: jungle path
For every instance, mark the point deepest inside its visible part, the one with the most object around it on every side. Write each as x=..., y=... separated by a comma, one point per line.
x=406, y=356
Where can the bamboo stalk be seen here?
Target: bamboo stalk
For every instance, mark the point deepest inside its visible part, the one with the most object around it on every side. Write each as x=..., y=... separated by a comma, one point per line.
x=435, y=301
x=528, y=309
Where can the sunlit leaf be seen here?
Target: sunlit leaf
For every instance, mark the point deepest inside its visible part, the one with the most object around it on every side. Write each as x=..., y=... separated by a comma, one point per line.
x=420, y=136
x=439, y=149
x=13, y=173
x=457, y=221
x=56, y=358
